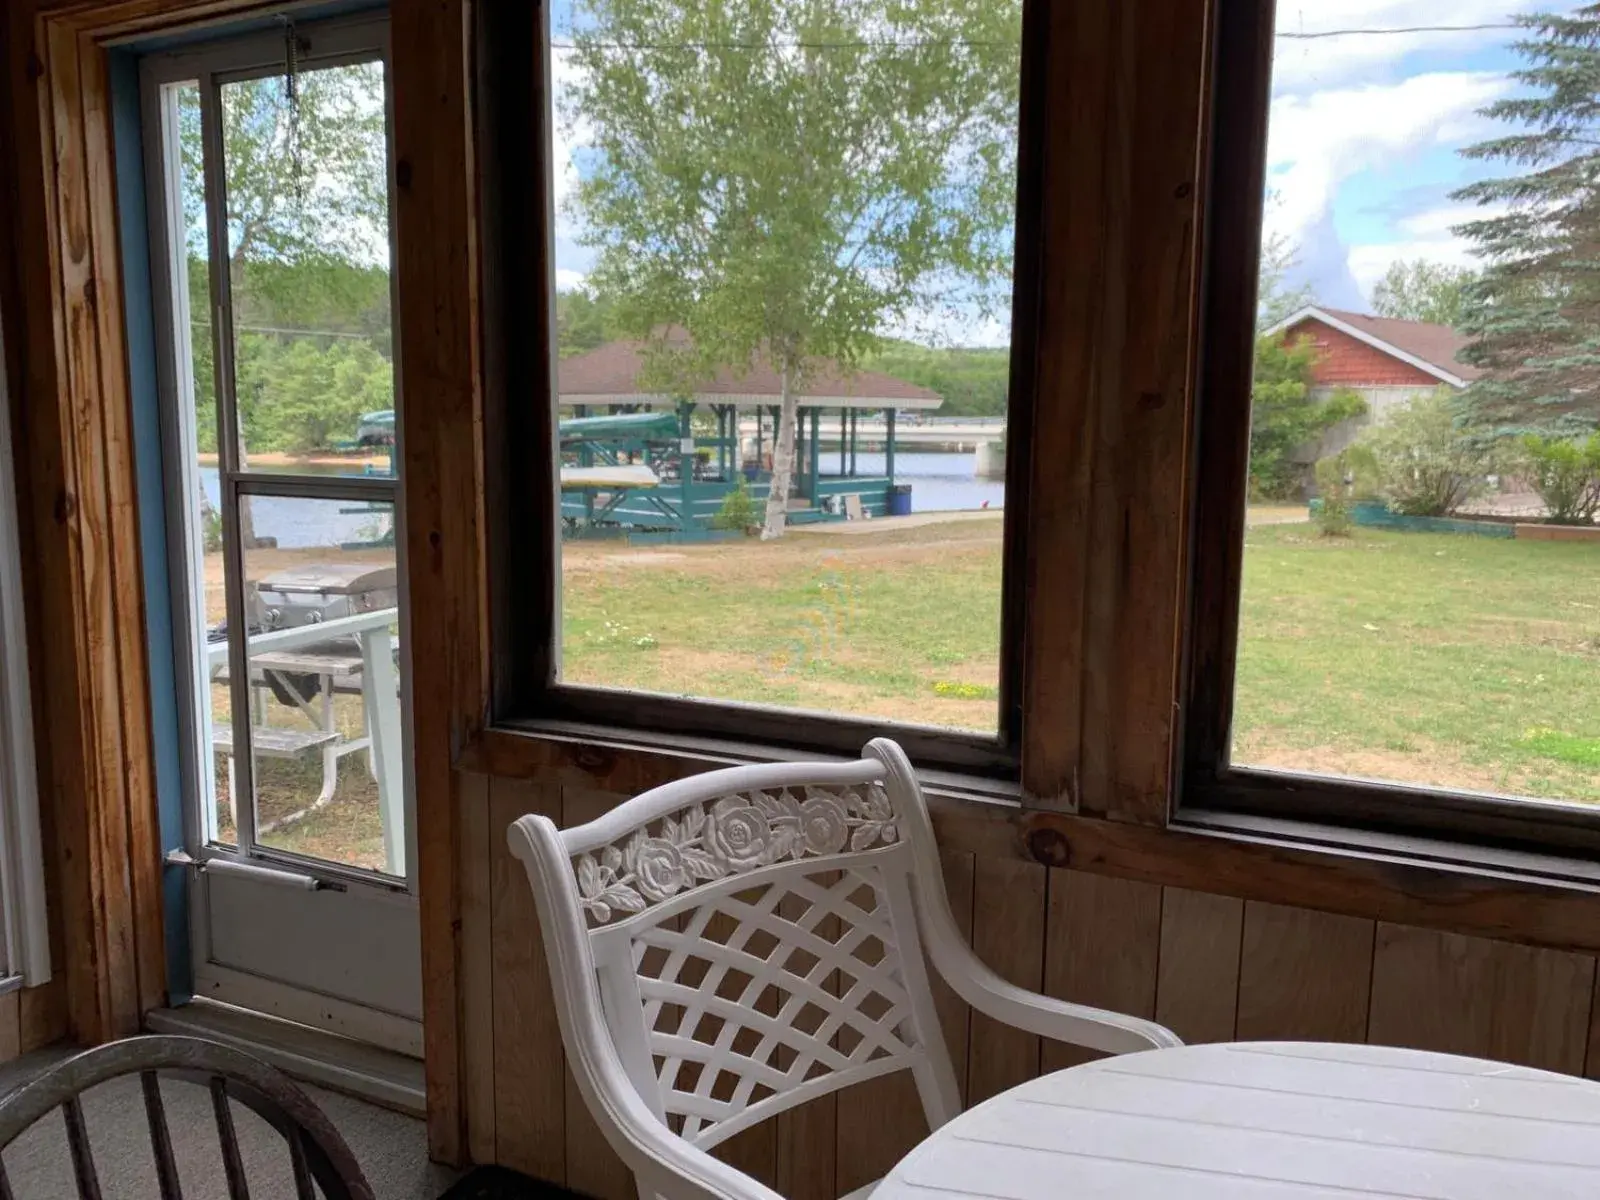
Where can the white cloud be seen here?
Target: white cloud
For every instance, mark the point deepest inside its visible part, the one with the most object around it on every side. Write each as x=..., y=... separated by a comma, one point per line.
x=1426, y=235
x=568, y=279
x=1302, y=64
x=564, y=138
x=1316, y=142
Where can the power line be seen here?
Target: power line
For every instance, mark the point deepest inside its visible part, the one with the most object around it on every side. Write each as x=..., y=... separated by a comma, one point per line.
x=918, y=43
x=332, y=333
x=1333, y=33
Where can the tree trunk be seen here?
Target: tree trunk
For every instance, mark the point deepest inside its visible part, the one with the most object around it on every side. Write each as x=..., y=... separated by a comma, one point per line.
x=782, y=459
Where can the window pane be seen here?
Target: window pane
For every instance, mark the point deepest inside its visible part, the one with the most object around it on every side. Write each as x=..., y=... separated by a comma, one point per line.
x=308, y=252
x=783, y=255
x=321, y=597
x=1421, y=595
x=196, y=428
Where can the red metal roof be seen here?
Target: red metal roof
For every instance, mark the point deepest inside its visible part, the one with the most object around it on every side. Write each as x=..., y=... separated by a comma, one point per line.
x=613, y=369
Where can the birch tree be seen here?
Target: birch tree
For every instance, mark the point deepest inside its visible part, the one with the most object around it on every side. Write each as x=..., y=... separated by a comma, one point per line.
x=792, y=179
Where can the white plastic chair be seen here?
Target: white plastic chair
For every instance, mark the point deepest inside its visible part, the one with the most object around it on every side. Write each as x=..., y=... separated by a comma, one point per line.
x=731, y=945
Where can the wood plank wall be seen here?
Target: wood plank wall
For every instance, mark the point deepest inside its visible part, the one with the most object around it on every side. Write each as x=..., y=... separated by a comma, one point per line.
x=1212, y=967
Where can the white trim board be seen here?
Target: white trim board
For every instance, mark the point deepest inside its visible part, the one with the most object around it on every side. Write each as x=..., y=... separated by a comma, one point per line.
x=339, y=1063
x=1314, y=313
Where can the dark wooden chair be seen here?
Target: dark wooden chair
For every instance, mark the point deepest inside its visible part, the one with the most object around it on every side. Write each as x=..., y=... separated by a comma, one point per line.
x=318, y=1156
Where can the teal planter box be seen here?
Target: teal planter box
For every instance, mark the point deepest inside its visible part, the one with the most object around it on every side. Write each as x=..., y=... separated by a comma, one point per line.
x=1375, y=514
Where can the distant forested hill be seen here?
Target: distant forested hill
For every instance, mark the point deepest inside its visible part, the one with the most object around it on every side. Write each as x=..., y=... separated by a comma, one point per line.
x=972, y=381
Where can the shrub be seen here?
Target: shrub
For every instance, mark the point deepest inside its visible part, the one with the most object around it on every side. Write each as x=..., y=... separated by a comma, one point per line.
x=1428, y=463
x=1286, y=415
x=1566, y=474
x=738, y=511
x=1342, y=479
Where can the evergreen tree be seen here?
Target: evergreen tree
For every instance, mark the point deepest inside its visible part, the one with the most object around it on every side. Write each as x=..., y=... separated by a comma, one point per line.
x=1535, y=312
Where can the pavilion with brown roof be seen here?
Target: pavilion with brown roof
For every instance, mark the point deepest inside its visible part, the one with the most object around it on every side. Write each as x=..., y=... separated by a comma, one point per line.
x=609, y=374
x=606, y=381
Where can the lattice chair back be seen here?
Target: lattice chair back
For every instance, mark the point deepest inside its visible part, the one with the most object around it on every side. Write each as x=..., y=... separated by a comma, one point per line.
x=750, y=939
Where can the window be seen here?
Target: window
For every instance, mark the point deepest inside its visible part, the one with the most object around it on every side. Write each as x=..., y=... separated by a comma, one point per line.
x=1398, y=566
x=780, y=304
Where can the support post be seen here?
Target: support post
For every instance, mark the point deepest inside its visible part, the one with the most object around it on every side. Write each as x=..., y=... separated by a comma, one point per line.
x=844, y=442
x=815, y=449
x=888, y=448
x=685, y=466
x=380, y=694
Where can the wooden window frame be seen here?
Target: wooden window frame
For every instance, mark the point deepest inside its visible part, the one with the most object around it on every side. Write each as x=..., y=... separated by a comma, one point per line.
x=523, y=536
x=1213, y=792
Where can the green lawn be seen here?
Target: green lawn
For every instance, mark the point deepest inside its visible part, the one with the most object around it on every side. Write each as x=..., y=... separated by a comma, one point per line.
x=903, y=625
x=1451, y=660
x=1443, y=659
x=1434, y=658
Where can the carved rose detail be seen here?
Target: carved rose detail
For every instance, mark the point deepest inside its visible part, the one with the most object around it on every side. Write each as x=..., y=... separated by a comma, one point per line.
x=660, y=869
x=824, y=825
x=739, y=834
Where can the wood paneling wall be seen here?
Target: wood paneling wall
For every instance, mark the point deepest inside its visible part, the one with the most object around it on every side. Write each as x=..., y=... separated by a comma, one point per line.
x=1211, y=966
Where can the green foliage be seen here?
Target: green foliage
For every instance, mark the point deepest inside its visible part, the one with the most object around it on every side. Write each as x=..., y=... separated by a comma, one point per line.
x=308, y=256
x=972, y=382
x=1429, y=461
x=1424, y=291
x=1342, y=479
x=738, y=511
x=1566, y=474
x=789, y=178
x=584, y=321
x=302, y=395
x=1535, y=312
x=1286, y=417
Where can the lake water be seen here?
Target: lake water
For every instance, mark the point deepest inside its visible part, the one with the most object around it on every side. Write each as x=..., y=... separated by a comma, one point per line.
x=940, y=482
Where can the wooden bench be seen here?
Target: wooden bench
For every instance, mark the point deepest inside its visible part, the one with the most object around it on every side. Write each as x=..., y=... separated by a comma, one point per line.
x=271, y=741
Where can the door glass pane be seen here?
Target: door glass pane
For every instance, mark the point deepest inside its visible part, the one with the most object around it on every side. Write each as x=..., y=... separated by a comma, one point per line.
x=783, y=257
x=321, y=600
x=308, y=255
x=196, y=426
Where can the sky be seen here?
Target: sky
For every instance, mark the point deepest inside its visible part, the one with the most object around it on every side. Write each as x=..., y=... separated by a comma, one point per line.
x=1366, y=132
x=1363, y=151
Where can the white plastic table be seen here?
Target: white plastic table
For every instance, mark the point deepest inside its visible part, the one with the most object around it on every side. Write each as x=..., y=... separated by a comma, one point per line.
x=1302, y=1121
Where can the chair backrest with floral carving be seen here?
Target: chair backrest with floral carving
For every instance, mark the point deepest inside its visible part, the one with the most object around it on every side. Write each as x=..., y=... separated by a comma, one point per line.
x=753, y=937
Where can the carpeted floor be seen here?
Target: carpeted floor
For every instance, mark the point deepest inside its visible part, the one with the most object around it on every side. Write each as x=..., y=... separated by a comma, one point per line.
x=497, y=1183
x=392, y=1148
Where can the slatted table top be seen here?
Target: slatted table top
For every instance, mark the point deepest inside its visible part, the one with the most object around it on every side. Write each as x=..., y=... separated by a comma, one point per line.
x=1302, y=1121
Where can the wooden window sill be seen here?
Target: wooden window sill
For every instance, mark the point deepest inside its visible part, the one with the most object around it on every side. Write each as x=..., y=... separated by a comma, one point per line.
x=1538, y=899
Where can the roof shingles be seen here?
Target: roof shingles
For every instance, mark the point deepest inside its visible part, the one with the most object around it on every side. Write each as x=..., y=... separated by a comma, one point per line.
x=1437, y=345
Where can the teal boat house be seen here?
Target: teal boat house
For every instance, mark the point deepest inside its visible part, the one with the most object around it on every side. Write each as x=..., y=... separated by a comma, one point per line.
x=645, y=464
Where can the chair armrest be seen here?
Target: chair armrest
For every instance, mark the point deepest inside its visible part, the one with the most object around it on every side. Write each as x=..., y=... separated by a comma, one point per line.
x=1060, y=1020
x=974, y=982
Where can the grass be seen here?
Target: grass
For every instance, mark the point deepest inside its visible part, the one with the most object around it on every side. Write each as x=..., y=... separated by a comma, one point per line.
x=1441, y=659
x=1431, y=658
x=903, y=625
